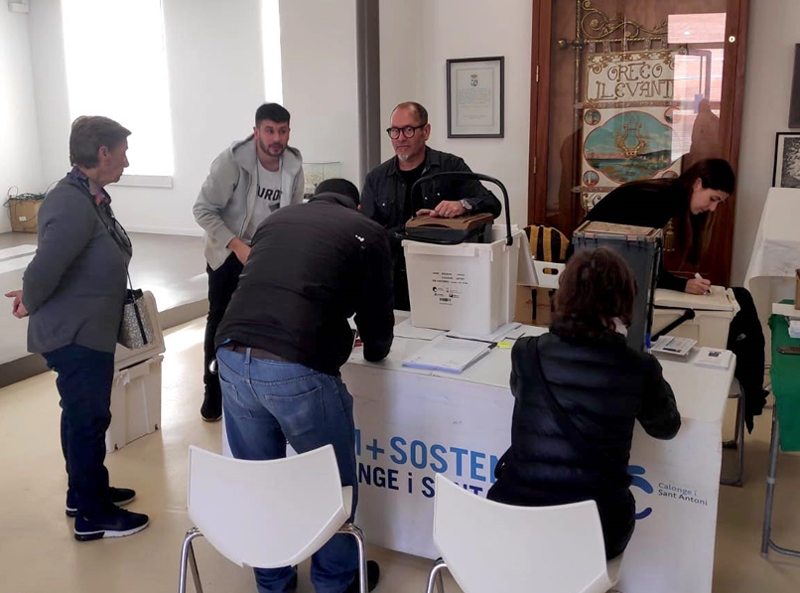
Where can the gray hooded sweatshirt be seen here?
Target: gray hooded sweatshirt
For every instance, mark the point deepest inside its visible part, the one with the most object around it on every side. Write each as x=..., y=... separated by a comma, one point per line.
x=226, y=202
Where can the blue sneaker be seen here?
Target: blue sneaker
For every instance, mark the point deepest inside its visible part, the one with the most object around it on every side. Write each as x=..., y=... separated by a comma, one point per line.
x=114, y=522
x=119, y=496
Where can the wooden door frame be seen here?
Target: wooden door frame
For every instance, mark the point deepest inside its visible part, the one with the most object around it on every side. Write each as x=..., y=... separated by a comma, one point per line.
x=539, y=144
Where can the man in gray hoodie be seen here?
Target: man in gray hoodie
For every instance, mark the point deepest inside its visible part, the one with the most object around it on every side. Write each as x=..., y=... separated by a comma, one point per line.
x=247, y=182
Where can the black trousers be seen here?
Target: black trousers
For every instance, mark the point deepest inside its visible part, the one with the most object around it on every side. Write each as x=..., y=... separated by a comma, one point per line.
x=84, y=383
x=746, y=341
x=221, y=284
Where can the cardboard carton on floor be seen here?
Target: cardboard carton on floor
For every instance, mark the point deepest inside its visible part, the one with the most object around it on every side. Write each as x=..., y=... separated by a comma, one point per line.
x=24, y=214
x=533, y=305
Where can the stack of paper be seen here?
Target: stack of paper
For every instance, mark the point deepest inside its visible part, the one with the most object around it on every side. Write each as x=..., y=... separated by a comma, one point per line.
x=794, y=328
x=714, y=357
x=673, y=345
x=451, y=355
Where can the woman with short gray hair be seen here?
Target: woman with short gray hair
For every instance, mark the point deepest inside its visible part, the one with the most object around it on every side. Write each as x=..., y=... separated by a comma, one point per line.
x=74, y=291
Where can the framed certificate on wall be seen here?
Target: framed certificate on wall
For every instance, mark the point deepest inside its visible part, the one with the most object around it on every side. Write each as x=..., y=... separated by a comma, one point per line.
x=475, y=98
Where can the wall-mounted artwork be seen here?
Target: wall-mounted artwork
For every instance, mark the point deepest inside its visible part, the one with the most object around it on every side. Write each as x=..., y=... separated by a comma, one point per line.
x=794, y=103
x=627, y=121
x=786, y=171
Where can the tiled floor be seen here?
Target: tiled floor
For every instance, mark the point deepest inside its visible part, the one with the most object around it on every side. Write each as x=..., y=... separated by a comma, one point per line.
x=38, y=554
x=171, y=267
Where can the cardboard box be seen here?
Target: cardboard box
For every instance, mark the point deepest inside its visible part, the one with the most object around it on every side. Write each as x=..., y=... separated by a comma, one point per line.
x=533, y=305
x=24, y=214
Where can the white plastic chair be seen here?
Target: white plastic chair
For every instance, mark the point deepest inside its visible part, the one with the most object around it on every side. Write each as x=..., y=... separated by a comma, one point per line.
x=267, y=514
x=490, y=547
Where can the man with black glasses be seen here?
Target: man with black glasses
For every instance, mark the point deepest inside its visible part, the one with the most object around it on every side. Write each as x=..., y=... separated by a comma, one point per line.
x=387, y=199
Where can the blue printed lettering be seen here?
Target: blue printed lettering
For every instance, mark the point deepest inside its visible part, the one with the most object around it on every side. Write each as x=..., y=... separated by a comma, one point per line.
x=436, y=454
x=399, y=456
x=419, y=461
x=459, y=463
x=475, y=465
x=427, y=487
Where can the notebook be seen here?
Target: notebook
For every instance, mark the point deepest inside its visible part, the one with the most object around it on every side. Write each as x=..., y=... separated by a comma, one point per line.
x=451, y=355
x=713, y=357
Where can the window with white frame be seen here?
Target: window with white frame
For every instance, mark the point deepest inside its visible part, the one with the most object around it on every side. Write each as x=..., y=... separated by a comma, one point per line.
x=117, y=67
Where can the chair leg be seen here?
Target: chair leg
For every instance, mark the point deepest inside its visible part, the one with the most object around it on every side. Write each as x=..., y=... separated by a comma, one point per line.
x=739, y=445
x=772, y=472
x=435, y=581
x=188, y=560
x=355, y=531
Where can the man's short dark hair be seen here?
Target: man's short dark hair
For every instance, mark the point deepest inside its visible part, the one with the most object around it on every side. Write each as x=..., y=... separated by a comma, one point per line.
x=273, y=112
x=89, y=134
x=422, y=113
x=338, y=186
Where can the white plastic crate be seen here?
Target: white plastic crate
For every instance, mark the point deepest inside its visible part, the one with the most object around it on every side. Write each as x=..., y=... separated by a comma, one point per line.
x=135, y=403
x=469, y=288
x=713, y=315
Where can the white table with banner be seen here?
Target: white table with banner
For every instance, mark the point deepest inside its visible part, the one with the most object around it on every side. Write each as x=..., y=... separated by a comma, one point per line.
x=412, y=424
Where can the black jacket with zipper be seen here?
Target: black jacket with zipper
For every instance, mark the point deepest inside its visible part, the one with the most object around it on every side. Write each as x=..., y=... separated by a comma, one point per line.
x=312, y=266
x=603, y=386
x=383, y=198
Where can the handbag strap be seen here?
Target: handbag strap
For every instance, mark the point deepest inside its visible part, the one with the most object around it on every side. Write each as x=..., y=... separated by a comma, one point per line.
x=572, y=432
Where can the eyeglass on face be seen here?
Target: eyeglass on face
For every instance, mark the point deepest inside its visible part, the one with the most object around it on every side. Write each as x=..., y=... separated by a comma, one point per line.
x=408, y=131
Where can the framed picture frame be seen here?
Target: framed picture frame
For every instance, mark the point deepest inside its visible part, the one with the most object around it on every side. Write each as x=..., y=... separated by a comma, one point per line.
x=475, y=98
x=786, y=171
x=794, y=103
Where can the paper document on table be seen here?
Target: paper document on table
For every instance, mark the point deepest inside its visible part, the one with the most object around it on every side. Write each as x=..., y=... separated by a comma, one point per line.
x=451, y=355
x=406, y=330
x=495, y=336
x=714, y=357
x=673, y=345
x=794, y=329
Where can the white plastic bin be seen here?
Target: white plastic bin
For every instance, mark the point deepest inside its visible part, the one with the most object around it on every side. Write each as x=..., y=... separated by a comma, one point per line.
x=469, y=288
x=135, y=403
x=713, y=315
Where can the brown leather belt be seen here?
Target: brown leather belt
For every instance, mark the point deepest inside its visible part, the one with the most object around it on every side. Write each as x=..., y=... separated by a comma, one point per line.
x=254, y=352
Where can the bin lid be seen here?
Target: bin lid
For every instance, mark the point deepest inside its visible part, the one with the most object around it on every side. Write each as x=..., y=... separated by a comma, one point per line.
x=720, y=299
x=596, y=228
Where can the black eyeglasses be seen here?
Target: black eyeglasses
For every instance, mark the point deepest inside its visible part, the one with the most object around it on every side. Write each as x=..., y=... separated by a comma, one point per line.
x=408, y=131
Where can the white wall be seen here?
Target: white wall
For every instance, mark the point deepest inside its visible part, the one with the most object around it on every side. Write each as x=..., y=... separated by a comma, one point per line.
x=318, y=46
x=773, y=33
x=20, y=163
x=214, y=55
x=416, y=40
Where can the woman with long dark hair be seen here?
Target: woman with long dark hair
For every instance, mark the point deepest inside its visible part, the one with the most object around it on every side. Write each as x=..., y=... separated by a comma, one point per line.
x=690, y=202
x=579, y=390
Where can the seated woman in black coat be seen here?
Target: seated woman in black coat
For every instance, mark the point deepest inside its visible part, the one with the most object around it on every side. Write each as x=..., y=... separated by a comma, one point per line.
x=690, y=201
x=579, y=390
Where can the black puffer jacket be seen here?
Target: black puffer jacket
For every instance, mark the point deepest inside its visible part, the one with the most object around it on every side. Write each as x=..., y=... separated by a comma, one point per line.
x=603, y=386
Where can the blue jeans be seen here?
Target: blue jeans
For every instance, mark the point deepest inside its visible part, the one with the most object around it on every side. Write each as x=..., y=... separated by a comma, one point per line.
x=84, y=382
x=268, y=403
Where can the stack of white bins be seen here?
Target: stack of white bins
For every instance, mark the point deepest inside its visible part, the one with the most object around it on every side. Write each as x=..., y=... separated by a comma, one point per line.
x=136, y=391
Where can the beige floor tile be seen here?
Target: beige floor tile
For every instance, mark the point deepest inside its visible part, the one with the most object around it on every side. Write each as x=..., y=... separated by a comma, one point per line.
x=38, y=553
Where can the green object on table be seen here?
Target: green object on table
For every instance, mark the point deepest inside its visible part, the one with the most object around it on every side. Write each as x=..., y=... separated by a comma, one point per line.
x=785, y=375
